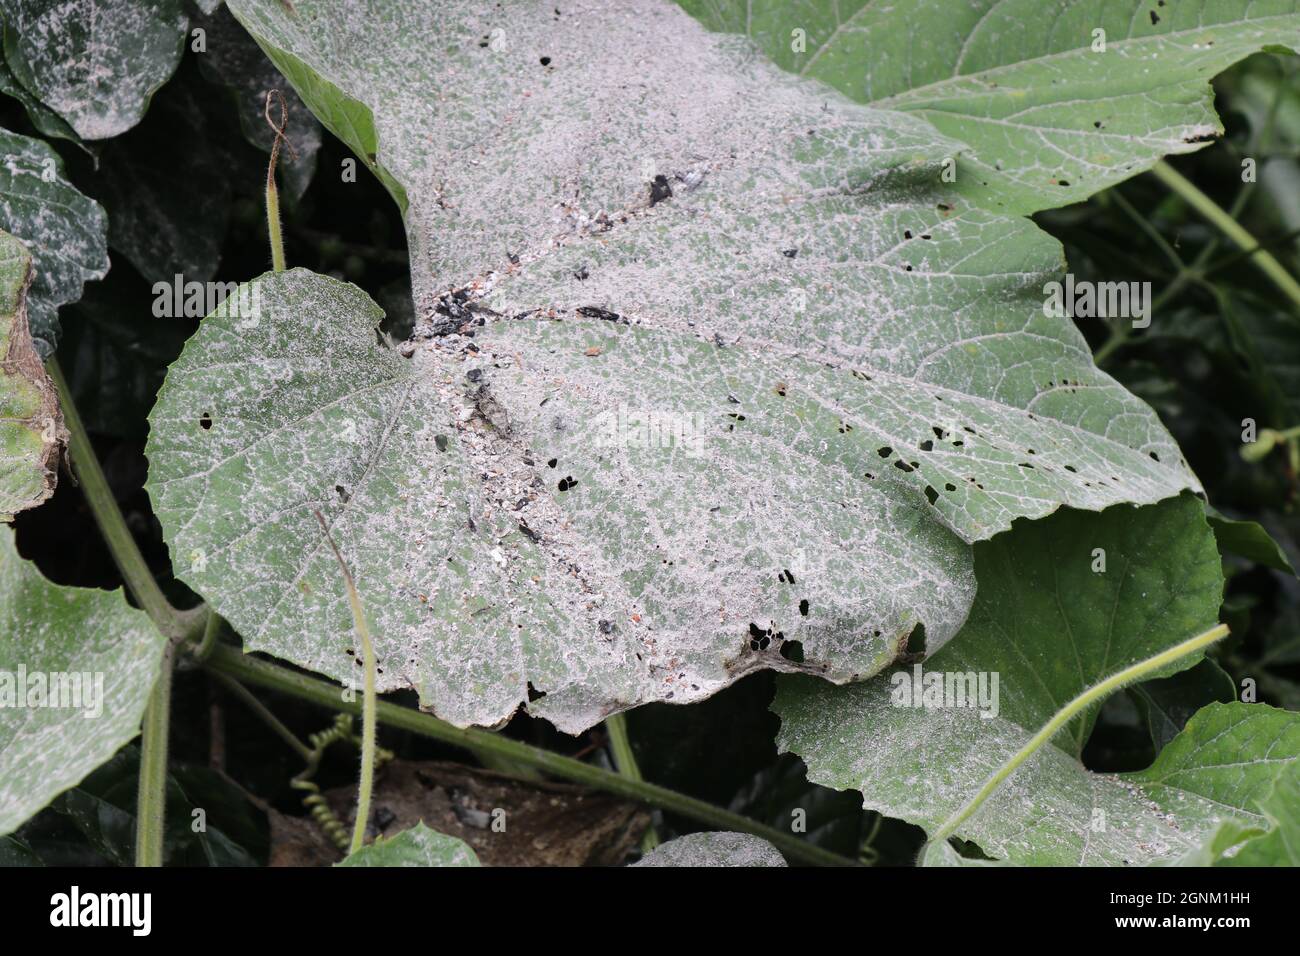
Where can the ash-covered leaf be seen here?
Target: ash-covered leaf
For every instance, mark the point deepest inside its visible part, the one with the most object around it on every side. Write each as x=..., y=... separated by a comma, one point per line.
x=64, y=231
x=418, y=846
x=1046, y=626
x=1055, y=102
x=714, y=849
x=706, y=364
x=43, y=118
x=76, y=668
x=94, y=62
x=32, y=436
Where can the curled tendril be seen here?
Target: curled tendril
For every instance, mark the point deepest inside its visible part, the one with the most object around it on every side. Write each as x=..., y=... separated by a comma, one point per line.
x=278, y=129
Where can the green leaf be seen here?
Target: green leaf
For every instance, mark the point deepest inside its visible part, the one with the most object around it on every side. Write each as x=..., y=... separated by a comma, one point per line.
x=32, y=435
x=167, y=187
x=626, y=468
x=86, y=650
x=103, y=807
x=96, y=63
x=1249, y=540
x=1169, y=702
x=14, y=852
x=346, y=116
x=64, y=231
x=1067, y=601
x=1280, y=844
x=418, y=846
x=1048, y=119
x=781, y=796
x=43, y=118
x=714, y=849
x=1048, y=631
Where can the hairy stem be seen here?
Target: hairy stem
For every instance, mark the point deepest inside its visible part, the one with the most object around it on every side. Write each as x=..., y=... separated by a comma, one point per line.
x=174, y=625
x=251, y=670
x=1063, y=716
x=273, y=193
x=620, y=744
x=151, y=800
x=126, y=554
x=1211, y=210
x=273, y=221
x=367, y=781
x=264, y=714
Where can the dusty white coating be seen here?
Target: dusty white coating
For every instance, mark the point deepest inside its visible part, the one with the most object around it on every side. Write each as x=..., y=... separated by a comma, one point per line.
x=852, y=440
x=48, y=629
x=95, y=62
x=65, y=232
x=923, y=765
x=714, y=849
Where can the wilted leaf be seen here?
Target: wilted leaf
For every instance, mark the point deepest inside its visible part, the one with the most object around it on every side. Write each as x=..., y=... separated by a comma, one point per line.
x=94, y=62
x=32, y=436
x=62, y=229
x=1052, y=109
x=85, y=649
x=714, y=849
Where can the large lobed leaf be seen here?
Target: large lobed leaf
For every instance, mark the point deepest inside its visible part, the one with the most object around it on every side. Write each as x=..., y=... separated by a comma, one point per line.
x=50, y=635
x=1050, y=116
x=507, y=495
x=1049, y=626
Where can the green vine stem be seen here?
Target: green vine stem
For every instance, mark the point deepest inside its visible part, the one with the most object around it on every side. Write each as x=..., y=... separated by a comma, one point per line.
x=1211, y=210
x=263, y=713
x=126, y=555
x=211, y=633
x=173, y=624
x=366, y=784
x=151, y=800
x=250, y=670
x=1063, y=716
x=620, y=744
